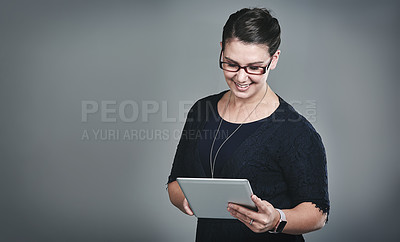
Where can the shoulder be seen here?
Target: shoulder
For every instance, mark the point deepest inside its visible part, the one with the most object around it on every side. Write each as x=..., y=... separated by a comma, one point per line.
x=296, y=137
x=206, y=105
x=204, y=108
x=293, y=124
x=211, y=99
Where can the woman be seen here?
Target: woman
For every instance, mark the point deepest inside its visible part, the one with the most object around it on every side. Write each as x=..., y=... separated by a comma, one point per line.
x=255, y=135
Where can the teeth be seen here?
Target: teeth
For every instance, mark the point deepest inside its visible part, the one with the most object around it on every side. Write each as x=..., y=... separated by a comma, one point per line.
x=242, y=85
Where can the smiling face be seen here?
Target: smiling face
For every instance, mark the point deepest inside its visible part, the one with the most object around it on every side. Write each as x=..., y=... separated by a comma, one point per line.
x=244, y=85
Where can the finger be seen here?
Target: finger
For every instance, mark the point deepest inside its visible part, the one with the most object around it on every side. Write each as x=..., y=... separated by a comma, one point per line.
x=187, y=208
x=254, y=226
x=247, y=223
x=246, y=219
x=238, y=215
x=242, y=210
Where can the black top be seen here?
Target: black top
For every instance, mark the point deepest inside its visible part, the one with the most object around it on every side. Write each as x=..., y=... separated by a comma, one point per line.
x=283, y=159
x=232, y=143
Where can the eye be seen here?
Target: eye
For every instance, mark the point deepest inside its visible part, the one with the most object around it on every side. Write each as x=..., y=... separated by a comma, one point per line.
x=255, y=68
x=231, y=65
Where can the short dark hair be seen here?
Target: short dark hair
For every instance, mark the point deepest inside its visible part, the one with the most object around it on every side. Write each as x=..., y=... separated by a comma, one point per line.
x=253, y=26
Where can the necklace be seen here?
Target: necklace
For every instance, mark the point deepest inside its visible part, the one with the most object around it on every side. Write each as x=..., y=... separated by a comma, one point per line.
x=212, y=161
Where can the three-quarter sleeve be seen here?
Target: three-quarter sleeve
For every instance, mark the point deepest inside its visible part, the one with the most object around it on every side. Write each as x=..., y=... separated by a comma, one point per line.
x=304, y=165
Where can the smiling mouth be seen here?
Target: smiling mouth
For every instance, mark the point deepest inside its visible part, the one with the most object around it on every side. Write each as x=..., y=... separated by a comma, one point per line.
x=242, y=85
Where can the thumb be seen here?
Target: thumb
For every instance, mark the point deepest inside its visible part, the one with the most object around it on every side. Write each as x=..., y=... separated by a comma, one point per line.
x=261, y=204
x=187, y=208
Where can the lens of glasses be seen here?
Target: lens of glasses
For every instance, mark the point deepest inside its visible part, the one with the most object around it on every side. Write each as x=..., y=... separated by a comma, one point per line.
x=230, y=67
x=257, y=70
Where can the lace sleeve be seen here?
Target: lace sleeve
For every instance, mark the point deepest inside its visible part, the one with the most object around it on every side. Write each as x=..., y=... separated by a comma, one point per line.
x=304, y=166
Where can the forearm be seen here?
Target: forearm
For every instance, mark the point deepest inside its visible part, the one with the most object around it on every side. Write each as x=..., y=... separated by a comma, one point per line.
x=304, y=218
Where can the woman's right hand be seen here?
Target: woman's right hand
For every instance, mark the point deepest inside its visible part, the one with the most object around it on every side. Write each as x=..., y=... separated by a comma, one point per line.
x=178, y=199
x=187, y=208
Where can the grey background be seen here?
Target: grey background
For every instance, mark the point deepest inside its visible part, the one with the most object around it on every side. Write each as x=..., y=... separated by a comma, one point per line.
x=56, y=186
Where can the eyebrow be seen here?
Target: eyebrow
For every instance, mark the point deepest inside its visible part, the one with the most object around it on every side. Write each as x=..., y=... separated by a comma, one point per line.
x=252, y=63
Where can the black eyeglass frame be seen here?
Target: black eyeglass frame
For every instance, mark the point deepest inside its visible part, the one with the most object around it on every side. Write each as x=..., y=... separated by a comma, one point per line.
x=265, y=68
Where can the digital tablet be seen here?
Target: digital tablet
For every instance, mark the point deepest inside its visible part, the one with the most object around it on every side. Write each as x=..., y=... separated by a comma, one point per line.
x=209, y=197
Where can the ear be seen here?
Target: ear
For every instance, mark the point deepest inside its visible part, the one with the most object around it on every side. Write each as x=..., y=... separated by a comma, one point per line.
x=220, y=43
x=275, y=58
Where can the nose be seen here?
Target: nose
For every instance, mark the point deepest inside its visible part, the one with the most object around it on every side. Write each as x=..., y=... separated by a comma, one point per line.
x=241, y=76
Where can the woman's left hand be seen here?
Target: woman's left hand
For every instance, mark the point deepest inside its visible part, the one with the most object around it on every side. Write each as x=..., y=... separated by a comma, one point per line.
x=263, y=220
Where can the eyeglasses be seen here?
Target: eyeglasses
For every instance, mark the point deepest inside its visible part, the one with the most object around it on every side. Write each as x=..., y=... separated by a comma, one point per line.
x=232, y=67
